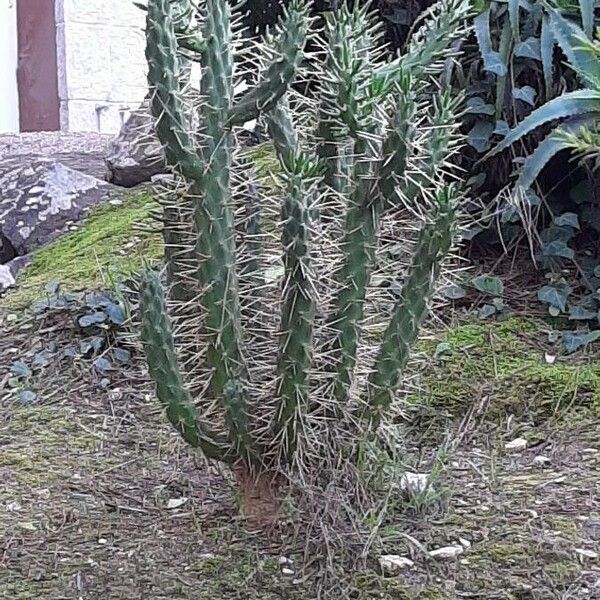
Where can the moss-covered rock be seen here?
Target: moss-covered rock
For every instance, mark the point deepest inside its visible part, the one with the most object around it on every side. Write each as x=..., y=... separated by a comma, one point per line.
x=111, y=244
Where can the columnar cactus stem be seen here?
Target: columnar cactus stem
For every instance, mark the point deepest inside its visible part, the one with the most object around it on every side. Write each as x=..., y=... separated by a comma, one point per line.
x=434, y=243
x=288, y=51
x=162, y=364
x=298, y=302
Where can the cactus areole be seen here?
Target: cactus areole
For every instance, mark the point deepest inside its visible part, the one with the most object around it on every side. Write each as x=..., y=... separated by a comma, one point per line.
x=246, y=363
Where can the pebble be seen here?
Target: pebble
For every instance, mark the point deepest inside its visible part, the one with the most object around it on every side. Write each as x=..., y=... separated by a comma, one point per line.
x=586, y=553
x=447, y=552
x=392, y=564
x=176, y=502
x=287, y=571
x=414, y=483
x=516, y=445
x=540, y=460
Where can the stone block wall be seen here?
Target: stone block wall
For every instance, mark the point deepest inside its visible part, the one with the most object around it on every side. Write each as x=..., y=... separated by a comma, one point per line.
x=101, y=64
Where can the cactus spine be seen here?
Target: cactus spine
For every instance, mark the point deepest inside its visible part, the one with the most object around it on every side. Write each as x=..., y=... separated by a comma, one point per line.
x=364, y=153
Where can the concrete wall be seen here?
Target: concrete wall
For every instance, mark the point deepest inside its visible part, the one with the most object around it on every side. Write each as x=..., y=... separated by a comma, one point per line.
x=101, y=64
x=9, y=96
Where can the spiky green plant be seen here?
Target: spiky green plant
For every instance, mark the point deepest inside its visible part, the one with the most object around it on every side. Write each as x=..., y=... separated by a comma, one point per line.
x=272, y=333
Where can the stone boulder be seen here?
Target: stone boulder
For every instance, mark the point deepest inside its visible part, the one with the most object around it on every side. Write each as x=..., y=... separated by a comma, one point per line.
x=135, y=155
x=39, y=201
x=85, y=152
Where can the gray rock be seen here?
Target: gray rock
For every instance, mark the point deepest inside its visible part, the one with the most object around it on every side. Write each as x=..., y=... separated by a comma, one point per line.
x=135, y=155
x=10, y=270
x=85, y=152
x=392, y=564
x=42, y=199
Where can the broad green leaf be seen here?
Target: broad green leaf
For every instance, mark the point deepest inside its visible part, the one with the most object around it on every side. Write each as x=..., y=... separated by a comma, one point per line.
x=525, y=94
x=478, y=106
x=442, y=348
x=587, y=16
x=502, y=128
x=568, y=219
x=569, y=35
x=581, y=313
x=453, y=292
x=487, y=310
x=558, y=249
x=488, y=284
x=547, y=149
x=555, y=295
x=529, y=48
x=539, y=158
x=580, y=102
x=547, y=52
x=573, y=340
x=480, y=136
x=492, y=61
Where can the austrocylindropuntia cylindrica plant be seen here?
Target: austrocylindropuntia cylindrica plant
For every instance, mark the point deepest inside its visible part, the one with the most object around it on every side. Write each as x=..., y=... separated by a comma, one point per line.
x=268, y=349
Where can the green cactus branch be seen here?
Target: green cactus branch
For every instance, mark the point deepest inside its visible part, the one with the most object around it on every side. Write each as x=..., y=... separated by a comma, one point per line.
x=298, y=302
x=166, y=103
x=398, y=144
x=359, y=245
x=343, y=95
x=442, y=23
x=434, y=243
x=288, y=53
x=158, y=343
x=441, y=126
x=213, y=216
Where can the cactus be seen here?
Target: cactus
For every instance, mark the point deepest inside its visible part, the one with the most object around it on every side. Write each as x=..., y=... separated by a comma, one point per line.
x=268, y=356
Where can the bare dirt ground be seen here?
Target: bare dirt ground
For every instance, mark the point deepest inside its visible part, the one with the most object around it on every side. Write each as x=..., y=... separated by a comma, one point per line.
x=99, y=499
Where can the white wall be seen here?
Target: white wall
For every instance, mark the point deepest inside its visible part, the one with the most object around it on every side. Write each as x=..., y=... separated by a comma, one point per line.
x=101, y=64
x=9, y=95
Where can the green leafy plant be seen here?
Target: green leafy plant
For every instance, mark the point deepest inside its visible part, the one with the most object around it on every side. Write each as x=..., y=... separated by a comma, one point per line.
x=576, y=109
x=260, y=348
x=519, y=65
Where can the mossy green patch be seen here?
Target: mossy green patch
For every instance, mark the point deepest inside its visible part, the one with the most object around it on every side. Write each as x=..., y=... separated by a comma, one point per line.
x=107, y=246
x=258, y=577
x=33, y=458
x=504, y=360
x=369, y=585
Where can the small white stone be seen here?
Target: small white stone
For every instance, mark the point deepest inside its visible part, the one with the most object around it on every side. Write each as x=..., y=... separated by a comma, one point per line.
x=550, y=358
x=466, y=544
x=586, y=553
x=414, y=483
x=516, y=445
x=114, y=395
x=284, y=560
x=392, y=564
x=540, y=460
x=176, y=502
x=102, y=541
x=287, y=571
x=447, y=552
